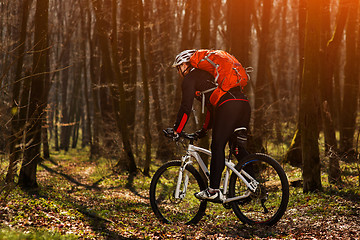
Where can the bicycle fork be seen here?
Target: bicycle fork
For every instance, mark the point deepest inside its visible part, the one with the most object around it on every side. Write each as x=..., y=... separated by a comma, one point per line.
x=182, y=177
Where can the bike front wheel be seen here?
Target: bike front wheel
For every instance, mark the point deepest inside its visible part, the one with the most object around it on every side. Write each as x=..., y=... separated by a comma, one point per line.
x=185, y=209
x=268, y=203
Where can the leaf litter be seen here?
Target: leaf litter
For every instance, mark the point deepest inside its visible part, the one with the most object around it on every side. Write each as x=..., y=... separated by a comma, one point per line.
x=117, y=207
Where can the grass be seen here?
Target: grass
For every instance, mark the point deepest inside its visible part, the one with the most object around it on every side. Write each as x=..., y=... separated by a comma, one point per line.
x=83, y=198
x=7, y=234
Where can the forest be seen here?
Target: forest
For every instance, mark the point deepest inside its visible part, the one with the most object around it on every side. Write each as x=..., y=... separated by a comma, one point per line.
x=95, y=77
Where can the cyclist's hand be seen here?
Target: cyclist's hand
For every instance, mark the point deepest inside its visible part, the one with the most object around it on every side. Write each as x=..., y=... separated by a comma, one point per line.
x=170, y=133
x=201, y=133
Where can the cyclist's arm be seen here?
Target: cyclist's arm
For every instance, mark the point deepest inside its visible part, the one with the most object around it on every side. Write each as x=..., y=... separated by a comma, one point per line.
x=188, y=93
x=208, y=120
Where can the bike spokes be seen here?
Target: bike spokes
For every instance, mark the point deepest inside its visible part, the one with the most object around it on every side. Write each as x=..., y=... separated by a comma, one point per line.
x=172, y=198
x=269, y=201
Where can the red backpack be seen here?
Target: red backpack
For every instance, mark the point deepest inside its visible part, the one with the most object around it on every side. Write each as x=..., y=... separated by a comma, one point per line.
x=225, y=68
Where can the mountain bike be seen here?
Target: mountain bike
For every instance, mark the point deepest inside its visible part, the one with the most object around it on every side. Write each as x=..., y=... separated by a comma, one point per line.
x=257, y=189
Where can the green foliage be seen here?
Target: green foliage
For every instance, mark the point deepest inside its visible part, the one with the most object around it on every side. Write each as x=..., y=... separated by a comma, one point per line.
x=83, y=198
x=7, y=234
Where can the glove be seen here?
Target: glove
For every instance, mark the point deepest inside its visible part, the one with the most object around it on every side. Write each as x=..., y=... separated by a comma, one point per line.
x=201, y=133
x=170, y=133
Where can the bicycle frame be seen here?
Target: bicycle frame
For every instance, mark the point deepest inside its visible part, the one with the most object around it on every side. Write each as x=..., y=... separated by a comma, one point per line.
x=192, y=151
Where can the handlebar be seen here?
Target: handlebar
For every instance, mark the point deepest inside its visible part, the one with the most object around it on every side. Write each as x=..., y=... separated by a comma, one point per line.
x=190, y=136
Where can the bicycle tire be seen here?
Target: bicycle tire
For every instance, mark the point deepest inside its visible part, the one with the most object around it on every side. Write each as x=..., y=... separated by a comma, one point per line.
x=269, y=202
x=167, y=209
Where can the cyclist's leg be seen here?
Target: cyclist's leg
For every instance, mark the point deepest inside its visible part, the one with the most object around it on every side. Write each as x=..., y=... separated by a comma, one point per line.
x=217, y=164
x=241, y=150
x=228, y=116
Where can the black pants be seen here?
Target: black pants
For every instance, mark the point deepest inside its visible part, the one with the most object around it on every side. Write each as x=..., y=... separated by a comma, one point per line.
x=230, y=115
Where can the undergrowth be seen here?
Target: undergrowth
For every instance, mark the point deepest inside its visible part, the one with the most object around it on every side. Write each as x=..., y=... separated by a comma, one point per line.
x=81, y=198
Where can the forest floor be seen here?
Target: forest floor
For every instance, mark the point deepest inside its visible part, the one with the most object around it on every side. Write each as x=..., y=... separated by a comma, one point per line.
x=83, y=199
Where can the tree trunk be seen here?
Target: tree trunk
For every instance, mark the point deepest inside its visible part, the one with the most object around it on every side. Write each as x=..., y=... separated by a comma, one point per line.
x=351, y=84
x=277, y=113
x=309, y=102
x=146, y=100
x=76, y=127
x=294, y=153
x=329, y=56
x=16, y=126
x=95, y=143
x=65, y=123
x=127, y=8
x=45, y=139
x=205, y=7
x=160, y=95
x=38, y=96
x=239, y=26
x=184, y=44
x=134, y=67
x=121, y=106
x=57, y=103
x=284, y=90
x=261, y=96
x=72, y=111
x=113, y=70
x=87, y=138
x=205, y=16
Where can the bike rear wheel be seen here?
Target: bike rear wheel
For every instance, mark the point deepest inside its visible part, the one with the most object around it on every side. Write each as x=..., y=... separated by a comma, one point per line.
x=188, y=209
x=269, y=202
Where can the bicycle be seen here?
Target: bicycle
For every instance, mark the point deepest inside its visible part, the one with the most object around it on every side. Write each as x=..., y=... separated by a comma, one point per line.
x=257, y=189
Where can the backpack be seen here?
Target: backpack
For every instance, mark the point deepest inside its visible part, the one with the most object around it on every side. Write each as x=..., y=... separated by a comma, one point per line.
x=225, y=68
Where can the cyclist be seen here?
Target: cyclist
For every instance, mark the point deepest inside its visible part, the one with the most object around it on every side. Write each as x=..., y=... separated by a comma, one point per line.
x=232, y=112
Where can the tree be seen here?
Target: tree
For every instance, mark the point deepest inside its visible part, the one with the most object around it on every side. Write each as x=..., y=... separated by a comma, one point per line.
x=38, y=97
x=239, y=29
x=205, y=16
x=309, y=102
x=93, y=59
x=126, y=15
x=262, y=79
x=65, y=127
x=185, y=43
x=146, y=101
x=17, y=124
x=294, y=153
x=351, y=82
x=156, y=54
x=102, y=58
x=87, y=133
x=112, y=69
x=329, y=58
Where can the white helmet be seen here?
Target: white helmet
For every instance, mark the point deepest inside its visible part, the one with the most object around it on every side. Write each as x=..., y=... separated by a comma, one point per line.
x=183, y=57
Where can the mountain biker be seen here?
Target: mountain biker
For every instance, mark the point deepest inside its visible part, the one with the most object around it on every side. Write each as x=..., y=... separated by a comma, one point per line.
x=232, y=112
